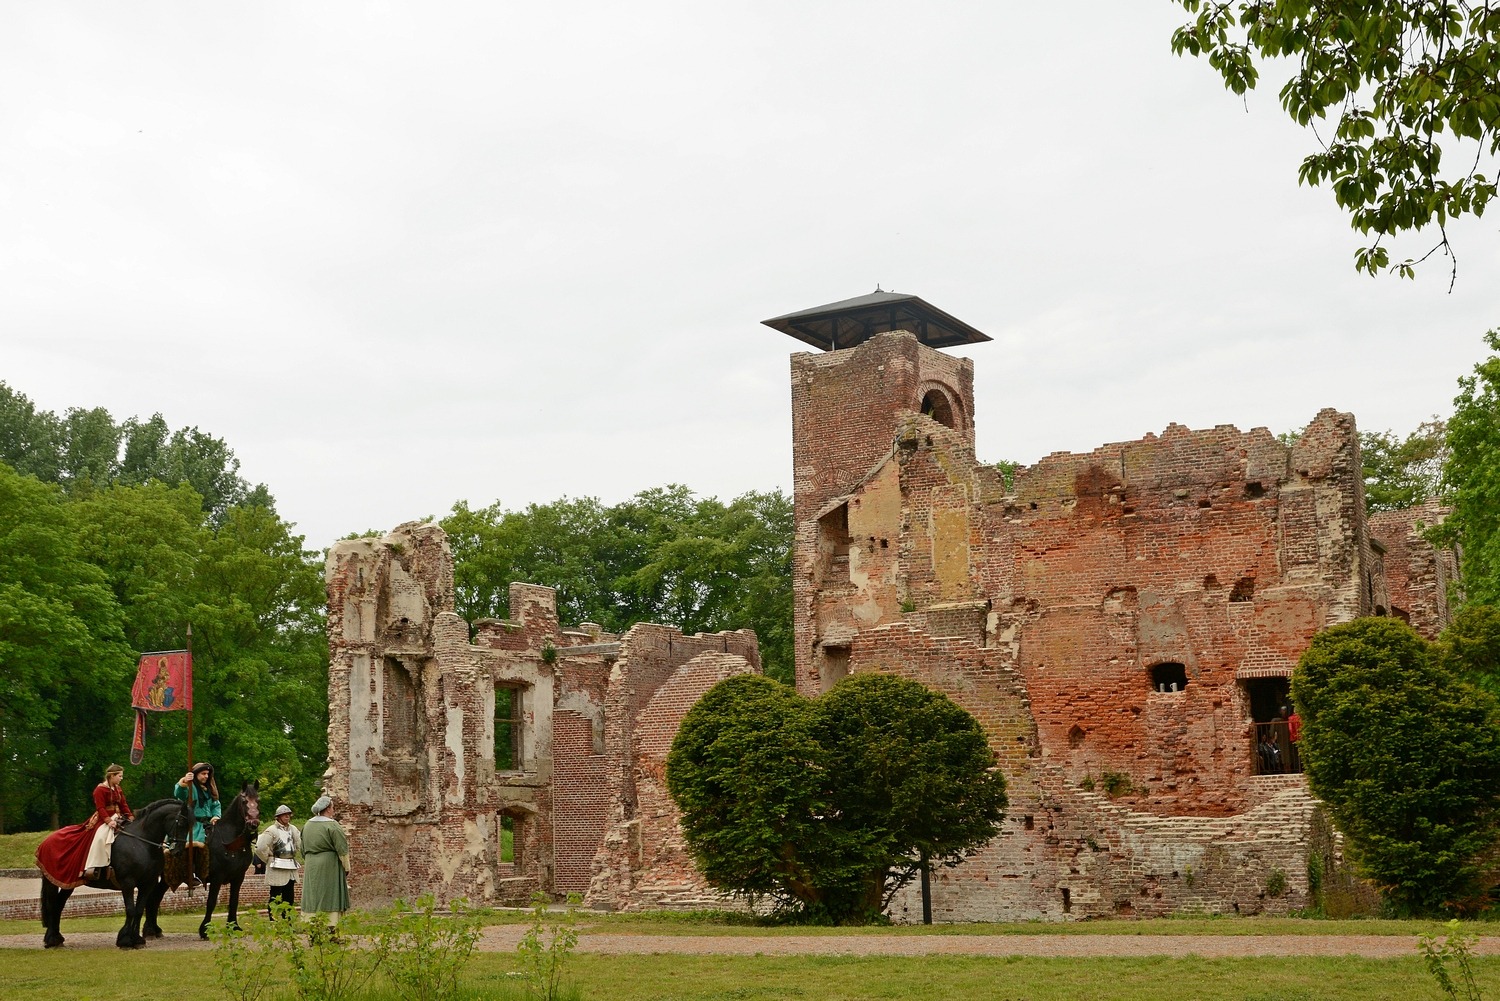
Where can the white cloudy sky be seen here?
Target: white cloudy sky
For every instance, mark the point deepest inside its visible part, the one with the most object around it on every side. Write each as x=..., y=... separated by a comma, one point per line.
x=399, y=255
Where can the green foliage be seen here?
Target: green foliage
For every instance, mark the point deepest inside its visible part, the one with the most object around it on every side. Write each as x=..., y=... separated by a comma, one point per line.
x=748, y=777
x=244, y=956
x=1471, y=477
x=1456, y=948
x=547, y=946
x=327, y=963
x=827, y=807
x=61, y=634
x=1407, y=82
x=421, y=952
x=117, y=555
x=426, y=951
x=1407, y=757
x=1116, y=784
x=662, y=556
x=1470, y=646
x=1403, y=472
x=1007, y=470
x=1275, y=883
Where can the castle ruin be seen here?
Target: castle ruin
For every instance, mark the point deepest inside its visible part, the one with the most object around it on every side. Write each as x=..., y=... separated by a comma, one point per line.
x=1123, y=623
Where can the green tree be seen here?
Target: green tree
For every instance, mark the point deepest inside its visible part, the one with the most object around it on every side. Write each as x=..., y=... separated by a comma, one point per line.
x=830, y=806
x=748, y=777
x=1403, y=472
x=913, y=772
x=1408, y=83
x=1407, y=757
x=59, y=625
x=663, y=556
x=28, y=438
x=1471, y=478
x=1470, y=646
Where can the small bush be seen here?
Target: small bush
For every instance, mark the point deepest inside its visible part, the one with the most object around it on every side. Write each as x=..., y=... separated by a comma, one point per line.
x=1116, y=784
x=243, y=958
x=425, y=951
x=1275, y=883
x=546, y=947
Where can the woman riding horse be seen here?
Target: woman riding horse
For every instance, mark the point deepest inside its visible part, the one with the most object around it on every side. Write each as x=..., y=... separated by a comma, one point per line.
x=136, y=860
x=77, y=853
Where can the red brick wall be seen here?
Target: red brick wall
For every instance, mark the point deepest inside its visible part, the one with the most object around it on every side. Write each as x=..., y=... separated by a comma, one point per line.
x=580, y=801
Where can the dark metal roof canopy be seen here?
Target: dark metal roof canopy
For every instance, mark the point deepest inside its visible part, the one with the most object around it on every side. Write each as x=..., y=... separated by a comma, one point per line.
x=854, y=321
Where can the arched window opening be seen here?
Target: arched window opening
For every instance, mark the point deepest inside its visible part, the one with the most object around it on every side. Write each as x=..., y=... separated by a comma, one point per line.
x=1169, y=677
x=937, y=406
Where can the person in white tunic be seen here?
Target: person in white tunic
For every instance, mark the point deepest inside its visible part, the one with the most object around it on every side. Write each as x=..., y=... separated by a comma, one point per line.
x=279, y=847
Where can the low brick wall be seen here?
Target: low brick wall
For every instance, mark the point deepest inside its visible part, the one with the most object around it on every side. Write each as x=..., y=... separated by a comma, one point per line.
x=252, y=897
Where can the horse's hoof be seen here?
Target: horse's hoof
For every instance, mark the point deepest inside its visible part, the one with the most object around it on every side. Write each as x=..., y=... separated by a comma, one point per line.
x=203, y=934
x=152, y=933
x=48, y=943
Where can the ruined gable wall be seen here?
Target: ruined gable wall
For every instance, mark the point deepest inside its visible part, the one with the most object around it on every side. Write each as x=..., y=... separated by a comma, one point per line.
x=645, y=862
x=658, y=677
x=1417, y=574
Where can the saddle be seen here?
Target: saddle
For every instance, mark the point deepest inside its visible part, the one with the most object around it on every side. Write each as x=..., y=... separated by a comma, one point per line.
x=182, y=867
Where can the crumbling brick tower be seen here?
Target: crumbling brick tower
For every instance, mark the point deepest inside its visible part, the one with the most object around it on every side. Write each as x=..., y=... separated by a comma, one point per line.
x=1122, y=622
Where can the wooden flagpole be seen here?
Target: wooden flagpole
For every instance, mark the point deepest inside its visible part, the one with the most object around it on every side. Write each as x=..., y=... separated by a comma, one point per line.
x=190, y=708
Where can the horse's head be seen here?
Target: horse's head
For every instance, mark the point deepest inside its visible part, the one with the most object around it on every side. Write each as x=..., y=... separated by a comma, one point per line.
x=251, y=793
x=180, y=830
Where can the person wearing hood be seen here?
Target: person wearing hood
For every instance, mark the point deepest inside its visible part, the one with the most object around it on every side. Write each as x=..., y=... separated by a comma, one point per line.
x=279, y=847
x=198, y=789
x=325, y=855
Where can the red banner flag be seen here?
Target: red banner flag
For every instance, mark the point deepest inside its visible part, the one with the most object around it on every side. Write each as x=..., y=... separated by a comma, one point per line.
x=163, y=681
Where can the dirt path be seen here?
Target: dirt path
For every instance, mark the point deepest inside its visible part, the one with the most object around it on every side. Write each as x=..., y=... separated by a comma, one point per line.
x=503, y=938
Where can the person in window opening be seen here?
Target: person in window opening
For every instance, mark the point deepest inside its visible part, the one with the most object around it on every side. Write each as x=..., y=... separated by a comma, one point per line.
x=1270, y=756
x=1294, y=734
x=199, y=789
x=325, y=857
x=279, y=846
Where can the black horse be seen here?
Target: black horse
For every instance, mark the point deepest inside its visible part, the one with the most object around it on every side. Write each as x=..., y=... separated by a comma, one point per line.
x=230, y=849
x=136, y=860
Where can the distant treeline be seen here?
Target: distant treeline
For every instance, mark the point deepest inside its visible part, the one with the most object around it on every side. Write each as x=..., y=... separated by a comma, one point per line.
x=115, y=535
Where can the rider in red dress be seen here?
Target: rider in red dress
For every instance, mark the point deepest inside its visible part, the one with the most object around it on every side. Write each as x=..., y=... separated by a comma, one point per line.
x=64, y=854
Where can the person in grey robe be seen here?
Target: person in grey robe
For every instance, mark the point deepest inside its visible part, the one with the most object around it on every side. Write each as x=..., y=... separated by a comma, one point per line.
x=325, y=864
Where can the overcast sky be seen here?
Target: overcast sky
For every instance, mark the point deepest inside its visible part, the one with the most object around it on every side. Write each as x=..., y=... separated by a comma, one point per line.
x=402, y=255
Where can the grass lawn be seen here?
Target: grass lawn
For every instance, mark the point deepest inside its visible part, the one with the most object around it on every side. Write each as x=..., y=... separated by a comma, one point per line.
x=18, y=851
x=105, y=975
x=667, y=923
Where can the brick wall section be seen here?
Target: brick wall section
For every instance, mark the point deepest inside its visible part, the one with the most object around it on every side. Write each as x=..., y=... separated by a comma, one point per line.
x=645, y=863
x=1055, y=609
x=580, y=801
x=1417, y=575
x=412, y=731
x=651, y=658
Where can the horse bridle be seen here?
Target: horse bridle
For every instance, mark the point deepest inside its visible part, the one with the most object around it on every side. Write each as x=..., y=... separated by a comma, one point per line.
x=168, y=844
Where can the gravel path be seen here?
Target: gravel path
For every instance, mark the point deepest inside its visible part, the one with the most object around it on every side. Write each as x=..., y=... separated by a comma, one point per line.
x=503, y=938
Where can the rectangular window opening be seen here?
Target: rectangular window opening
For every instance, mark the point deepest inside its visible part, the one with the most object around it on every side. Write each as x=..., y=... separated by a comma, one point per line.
x=508, y=721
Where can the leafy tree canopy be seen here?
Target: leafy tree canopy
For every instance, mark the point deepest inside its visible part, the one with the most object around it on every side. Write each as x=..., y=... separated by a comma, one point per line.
x=113, y=538
x=665, y=555
x=1471, y=477
x=1407, y=756
x=85, y=450
x=830, y=806
x=1409, y=84
x=1403, y=472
